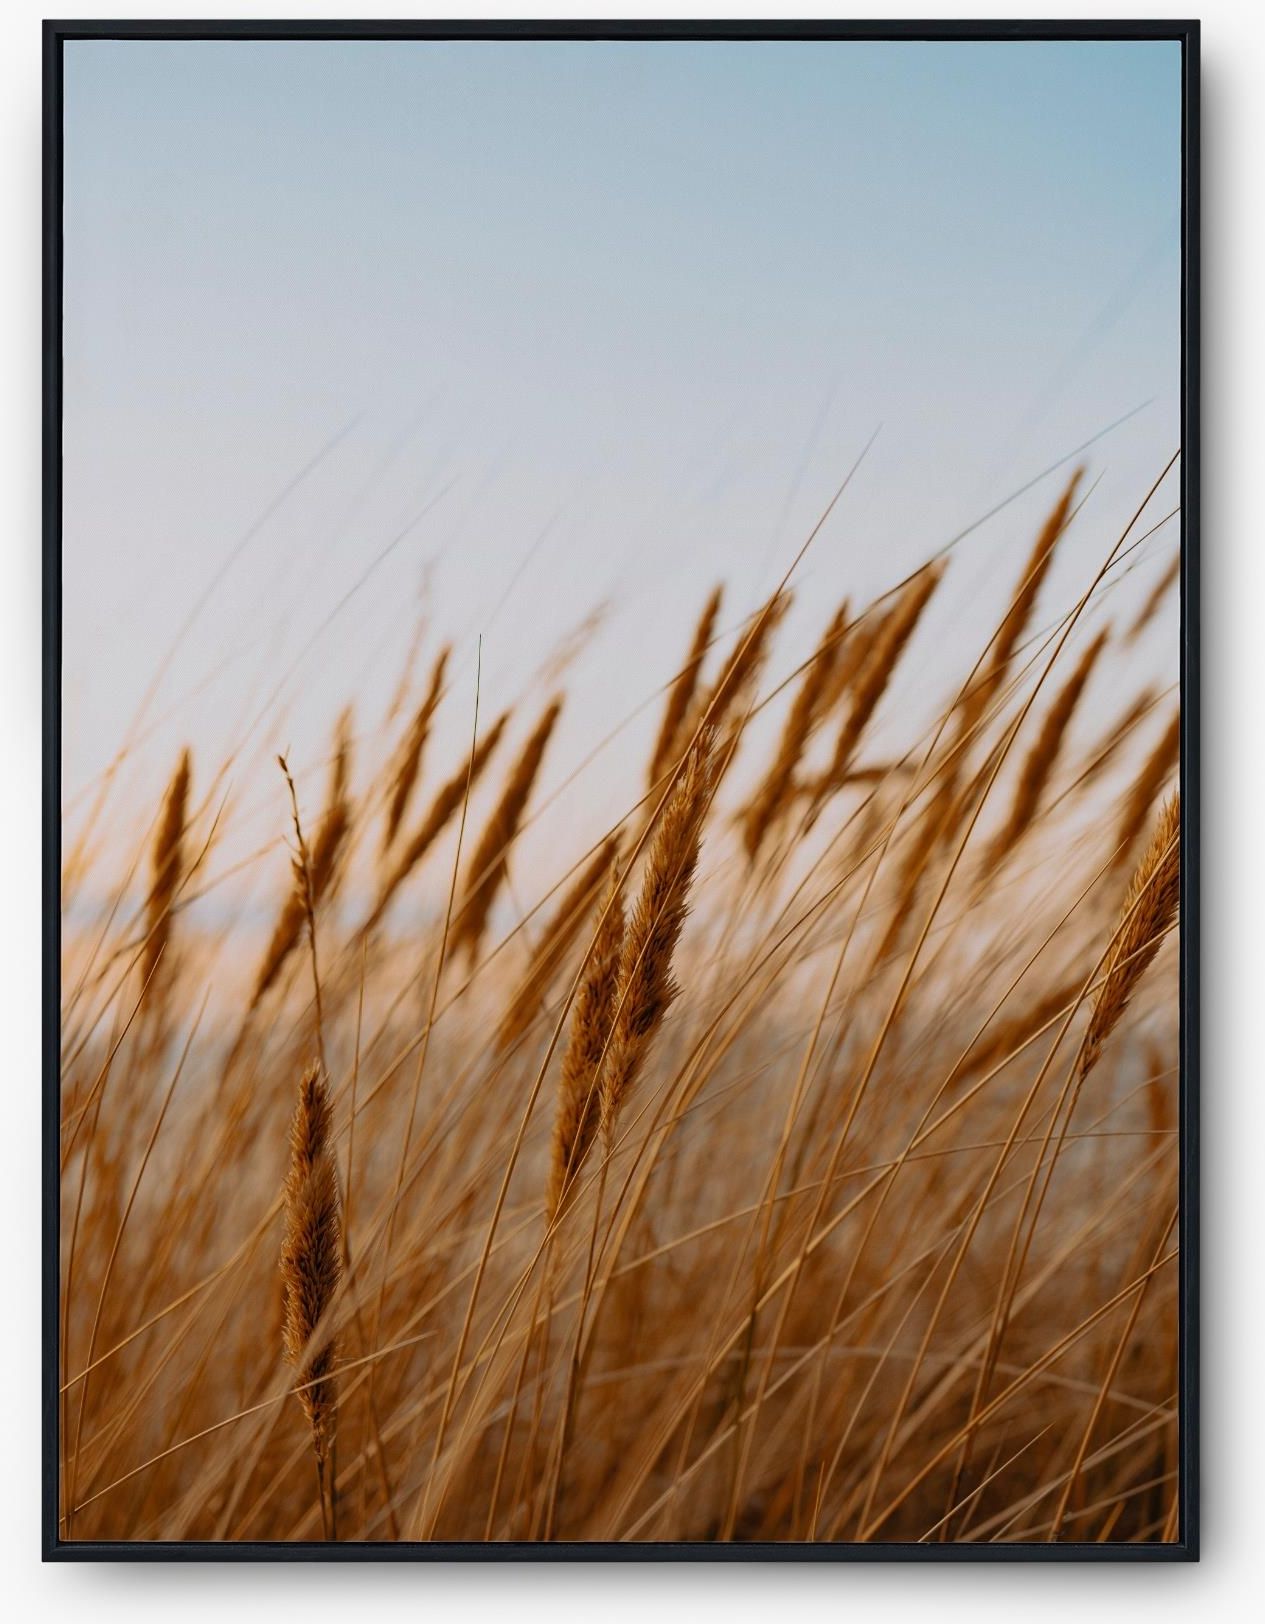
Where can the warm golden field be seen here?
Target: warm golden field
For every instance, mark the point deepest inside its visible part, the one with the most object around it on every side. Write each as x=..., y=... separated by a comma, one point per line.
x=796, y=1161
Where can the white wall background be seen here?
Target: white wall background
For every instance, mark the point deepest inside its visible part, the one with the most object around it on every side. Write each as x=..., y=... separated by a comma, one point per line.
x=1228, y=1579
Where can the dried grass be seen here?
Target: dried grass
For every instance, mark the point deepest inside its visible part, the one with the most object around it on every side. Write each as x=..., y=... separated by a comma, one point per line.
x=726, y=1193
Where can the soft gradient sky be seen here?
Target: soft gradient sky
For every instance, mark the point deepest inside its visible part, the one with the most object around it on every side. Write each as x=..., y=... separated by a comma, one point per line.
x=592, y=320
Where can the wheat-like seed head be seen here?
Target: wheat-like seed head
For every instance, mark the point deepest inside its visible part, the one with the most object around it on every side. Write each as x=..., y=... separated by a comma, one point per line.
x=556, y=938
x=1155, y=598
x=876, y=670
x=775, y=793
x=492, y=1376
x=1040, y=762
x=410, y=762
x=681, y=693
x=578, y=1110
x=1150, y=907
x=335, y=824
x=326, y=852
x=442, y=809
x=311, y=1259
x=1104, y=750
x=1002, y=1041
x=167, y=864
x=1015, y=621
x=489, y=864
x=854, y=645
x=646, y=985
x=744, y=662
x=1156, y=770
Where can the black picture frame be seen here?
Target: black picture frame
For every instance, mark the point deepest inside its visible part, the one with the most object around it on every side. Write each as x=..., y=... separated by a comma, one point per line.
x=56, y=34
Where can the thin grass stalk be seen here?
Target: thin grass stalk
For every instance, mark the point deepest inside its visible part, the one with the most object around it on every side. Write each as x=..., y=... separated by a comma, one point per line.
x=327, y=852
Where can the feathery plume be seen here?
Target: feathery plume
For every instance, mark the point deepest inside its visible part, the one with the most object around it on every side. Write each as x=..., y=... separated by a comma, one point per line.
x=1014, y=623
x=1150, y=906
x=576, y=1120
x=1041, y=759
x=950, y=803
x=853, y=645
x=876, y=670
x=745, y=658
x=167, y=862
x=681, y=693
x=1005, y=1040
x=335, y=823
x=646, y=985
x=1155, y=598
x=1100, y=756
x=327, y=849
x=489, y=864
x=556, y=938
x=441, y=811
x=404, y=682
x=410, y=762
x=311, y=1267
x=775, y=792
x=1156, y=770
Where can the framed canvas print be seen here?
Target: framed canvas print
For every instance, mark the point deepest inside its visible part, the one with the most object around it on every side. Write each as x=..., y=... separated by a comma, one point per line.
x=621, y=937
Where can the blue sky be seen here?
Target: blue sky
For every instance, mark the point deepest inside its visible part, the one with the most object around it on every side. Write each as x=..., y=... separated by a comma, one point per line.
x=600, y=319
